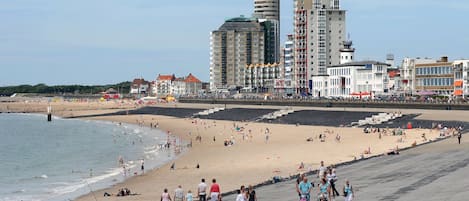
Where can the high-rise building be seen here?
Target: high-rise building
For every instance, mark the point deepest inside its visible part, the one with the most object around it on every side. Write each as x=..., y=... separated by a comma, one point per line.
x=268, y=9
x=288, y=62
x=319, y=30
x=268, y=13
x=237, y=43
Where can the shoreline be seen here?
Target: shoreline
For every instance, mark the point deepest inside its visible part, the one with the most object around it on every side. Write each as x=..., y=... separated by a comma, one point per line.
x=352, y=138
x=113, y=175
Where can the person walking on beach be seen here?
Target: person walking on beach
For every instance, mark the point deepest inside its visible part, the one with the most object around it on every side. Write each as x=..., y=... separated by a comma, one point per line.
x=202, y=191
x=215, y=194
x=348, y=191
x=459, y=137
x=305, y=189
x=179, y=194
x=165, y=196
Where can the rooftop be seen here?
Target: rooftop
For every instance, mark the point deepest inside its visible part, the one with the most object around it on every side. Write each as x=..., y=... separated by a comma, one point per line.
x=166, y=77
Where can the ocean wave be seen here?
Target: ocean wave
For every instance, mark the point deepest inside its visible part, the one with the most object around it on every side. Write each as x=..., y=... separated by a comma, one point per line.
x=16, y=198
x=85, y=183
x=18, y=191
x=44, y=176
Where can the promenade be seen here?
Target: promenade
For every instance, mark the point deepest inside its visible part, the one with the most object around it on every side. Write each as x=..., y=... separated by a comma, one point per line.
x=432, y=172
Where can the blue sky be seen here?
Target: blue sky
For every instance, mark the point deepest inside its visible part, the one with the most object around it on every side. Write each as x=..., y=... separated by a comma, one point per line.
x=108, y=41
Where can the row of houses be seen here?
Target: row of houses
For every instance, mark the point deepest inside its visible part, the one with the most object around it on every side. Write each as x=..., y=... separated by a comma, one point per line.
x=165, y=85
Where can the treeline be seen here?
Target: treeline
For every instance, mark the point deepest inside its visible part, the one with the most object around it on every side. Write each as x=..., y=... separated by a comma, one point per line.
x=123, y=88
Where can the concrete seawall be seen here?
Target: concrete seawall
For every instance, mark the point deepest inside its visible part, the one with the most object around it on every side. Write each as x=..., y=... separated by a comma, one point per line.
x=339, y=104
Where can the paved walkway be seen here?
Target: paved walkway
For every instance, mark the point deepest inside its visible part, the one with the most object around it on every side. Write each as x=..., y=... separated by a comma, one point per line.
x=436, y=172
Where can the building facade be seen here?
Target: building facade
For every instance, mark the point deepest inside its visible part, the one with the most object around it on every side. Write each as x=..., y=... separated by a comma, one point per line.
x=139, y=86
x=288, y=64
x=268, y=9
x=437, y=77
x=408, y=73
x=263, y=78
x=353, y=79
x=268, y=13
x=163, y=85
x=461, y=78
x=319, y=29
x=237, y=43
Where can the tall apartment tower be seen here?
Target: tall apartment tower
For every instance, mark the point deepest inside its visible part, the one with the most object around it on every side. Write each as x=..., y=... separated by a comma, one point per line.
x=288, y=63
x=269, y=9
x=319, y=29
x=237, y=43
x=268, y=13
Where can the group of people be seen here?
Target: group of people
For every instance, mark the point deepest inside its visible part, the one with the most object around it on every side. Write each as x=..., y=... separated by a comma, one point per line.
x=214, y=193
x=326, y=188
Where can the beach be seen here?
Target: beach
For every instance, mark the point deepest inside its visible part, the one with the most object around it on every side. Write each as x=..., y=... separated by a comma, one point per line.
x=249, y=161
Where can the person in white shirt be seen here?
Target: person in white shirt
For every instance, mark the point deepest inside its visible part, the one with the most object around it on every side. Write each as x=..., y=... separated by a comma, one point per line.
x=202, y=191
x=240, y=196
x=322, y=170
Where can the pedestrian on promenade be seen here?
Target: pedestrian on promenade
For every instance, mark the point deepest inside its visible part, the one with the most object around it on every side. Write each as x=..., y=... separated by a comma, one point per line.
x=305, y=189
x=202, y=190
x=322, y=170
x=348, y=191
x=298, y=181
x=333, y=181
x=215, y=193
x=252, y=194
x=324, y=190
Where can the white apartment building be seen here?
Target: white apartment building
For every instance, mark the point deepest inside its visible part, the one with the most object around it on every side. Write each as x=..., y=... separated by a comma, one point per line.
x=353, y=79
x=163, y=85
x=182, y=86
x=139, y=86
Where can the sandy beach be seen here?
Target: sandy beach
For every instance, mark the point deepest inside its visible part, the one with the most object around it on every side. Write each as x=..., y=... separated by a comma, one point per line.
x=250, y=160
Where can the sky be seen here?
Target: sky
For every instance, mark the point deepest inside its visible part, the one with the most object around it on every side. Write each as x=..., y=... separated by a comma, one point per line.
x=110, y=41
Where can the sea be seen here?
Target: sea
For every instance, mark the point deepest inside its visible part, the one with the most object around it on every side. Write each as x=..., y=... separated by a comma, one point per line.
x=65, y=158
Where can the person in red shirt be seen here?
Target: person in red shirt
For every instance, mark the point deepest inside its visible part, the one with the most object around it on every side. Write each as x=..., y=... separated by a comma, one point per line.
x=215, y=194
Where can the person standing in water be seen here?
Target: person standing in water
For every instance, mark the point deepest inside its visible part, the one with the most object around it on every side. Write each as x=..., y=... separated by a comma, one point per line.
x=142, y=166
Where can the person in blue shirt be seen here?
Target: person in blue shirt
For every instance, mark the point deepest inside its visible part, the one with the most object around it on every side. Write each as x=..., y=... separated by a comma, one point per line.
x=304, y=189
x=324, y=190
x=348, y=191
